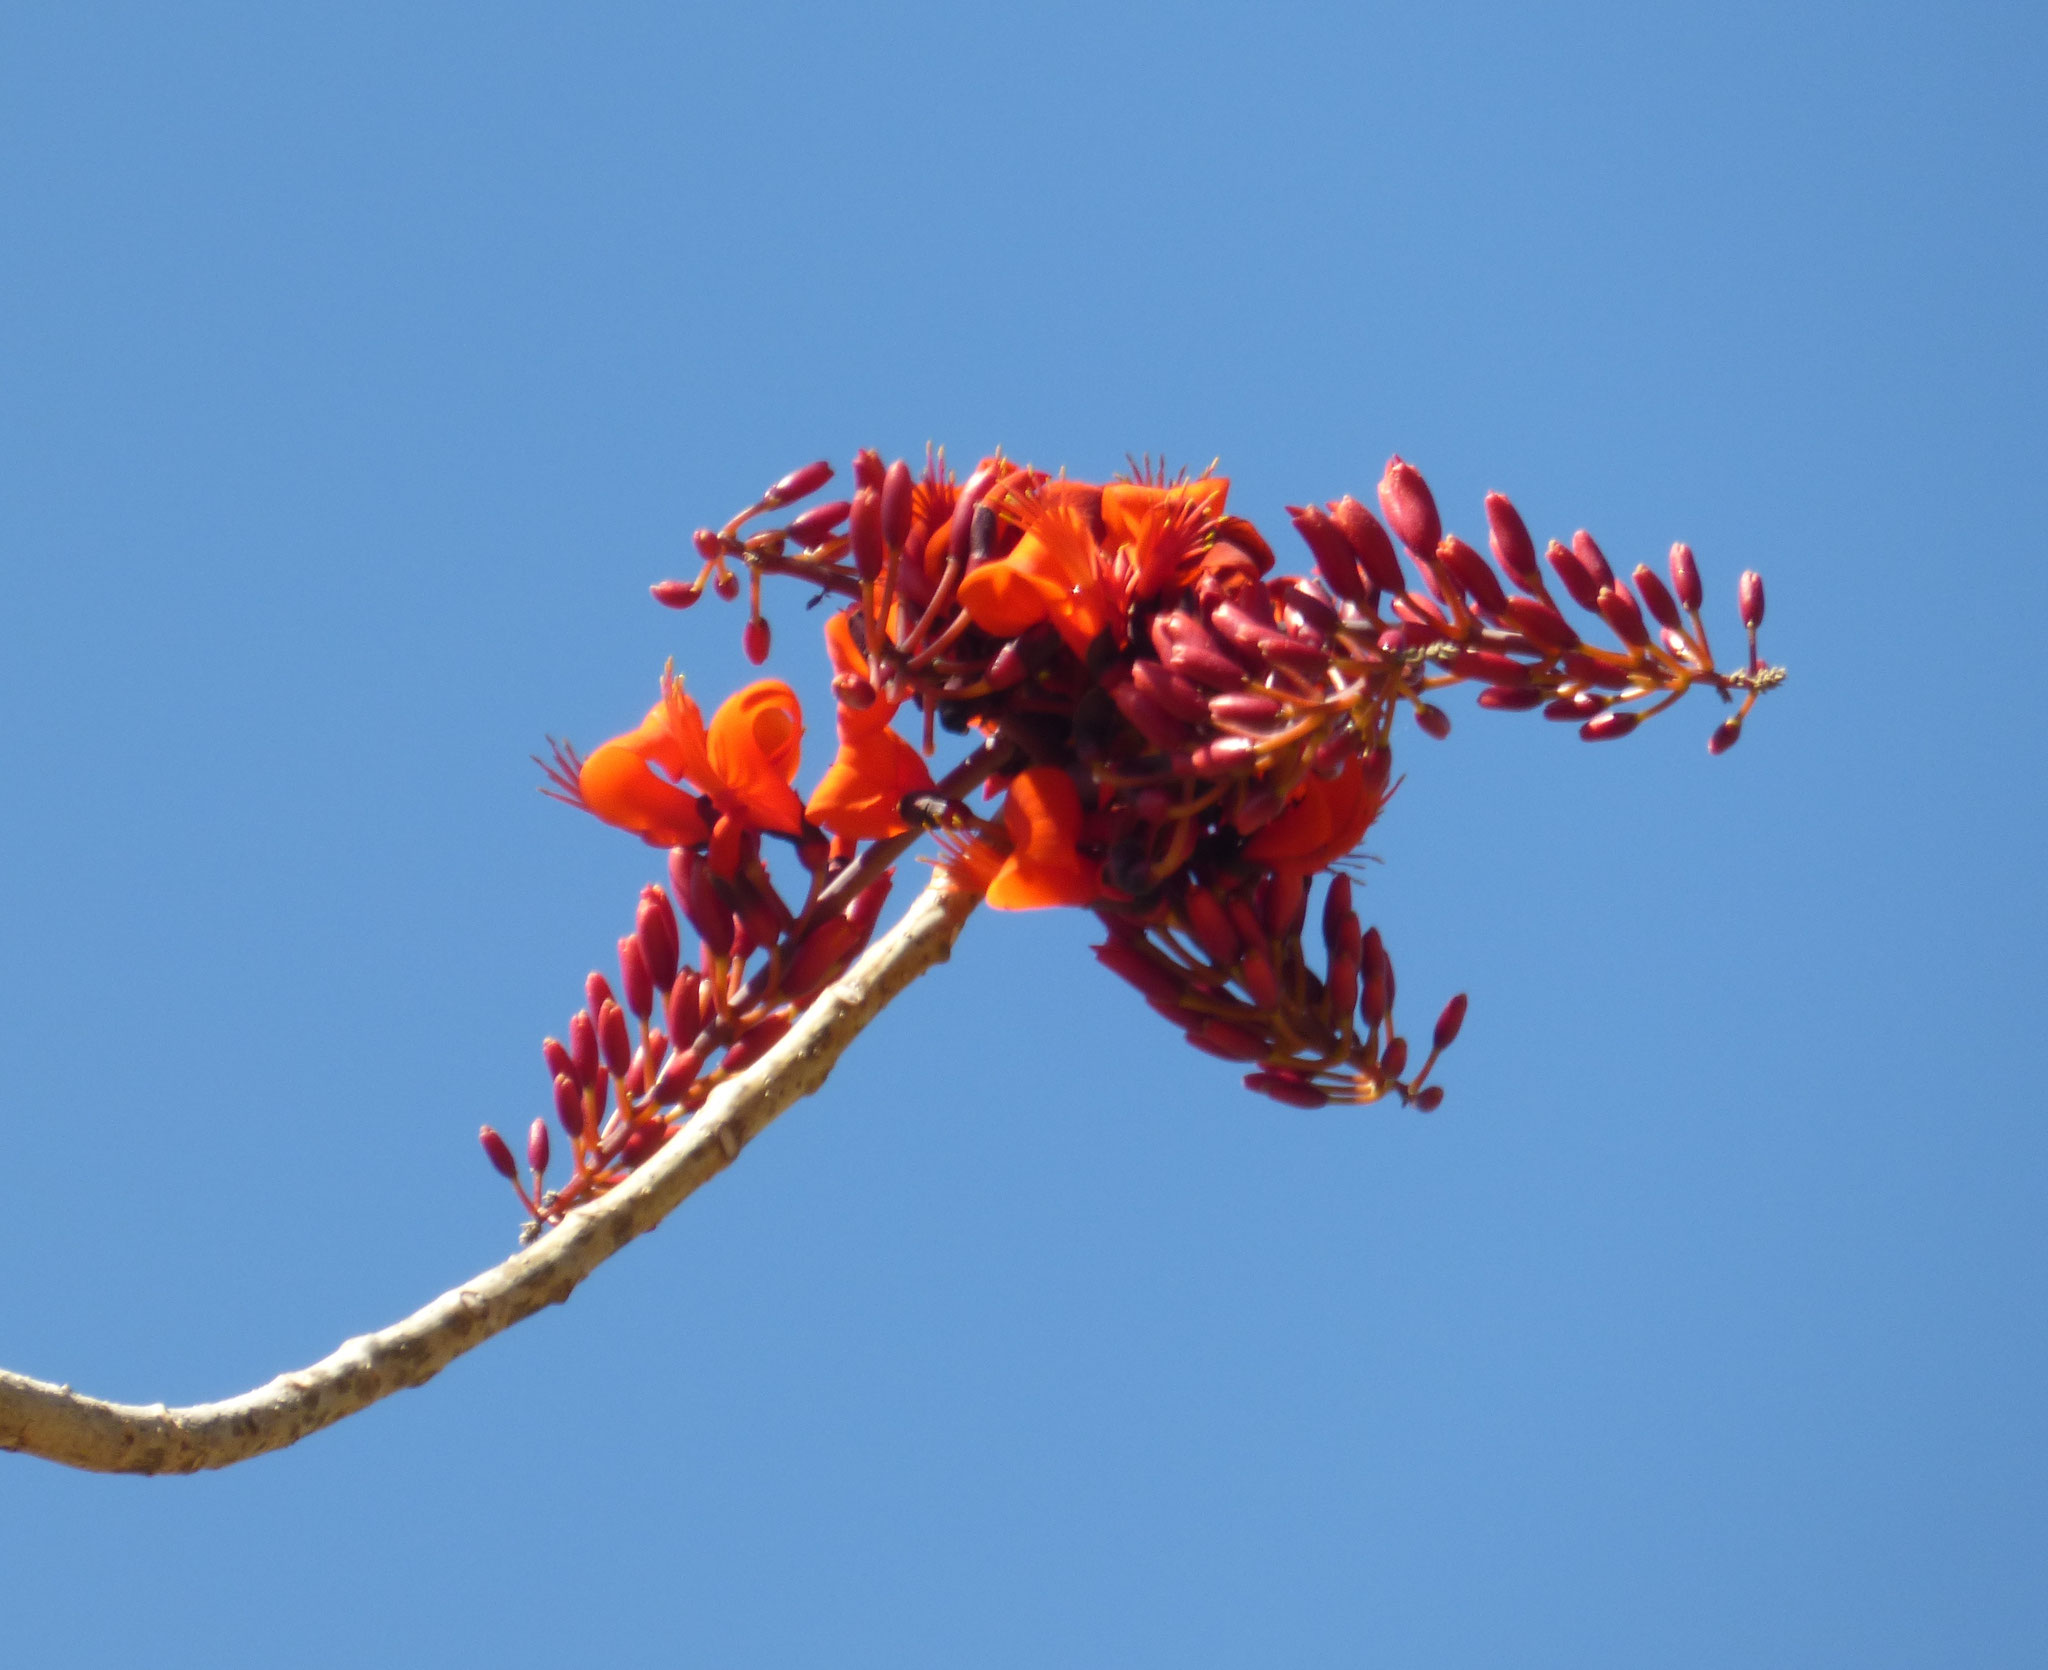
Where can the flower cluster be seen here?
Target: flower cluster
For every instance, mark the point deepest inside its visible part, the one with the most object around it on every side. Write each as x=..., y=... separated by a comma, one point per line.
x=1182, y=741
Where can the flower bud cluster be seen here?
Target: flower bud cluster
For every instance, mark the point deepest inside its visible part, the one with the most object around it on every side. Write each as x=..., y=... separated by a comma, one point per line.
x=643, y=1055
x=1223, y=960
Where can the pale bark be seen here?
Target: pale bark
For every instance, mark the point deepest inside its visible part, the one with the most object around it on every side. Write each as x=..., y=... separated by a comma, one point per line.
x=60, y=1425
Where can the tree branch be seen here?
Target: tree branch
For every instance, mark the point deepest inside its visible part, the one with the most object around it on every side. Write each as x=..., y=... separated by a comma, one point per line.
x=60, y=1425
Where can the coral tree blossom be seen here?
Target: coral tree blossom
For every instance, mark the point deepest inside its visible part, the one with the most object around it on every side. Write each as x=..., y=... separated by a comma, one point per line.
x=1185, y=742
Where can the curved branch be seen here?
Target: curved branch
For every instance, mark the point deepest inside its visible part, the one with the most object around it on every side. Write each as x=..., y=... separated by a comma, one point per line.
x=60, y=1425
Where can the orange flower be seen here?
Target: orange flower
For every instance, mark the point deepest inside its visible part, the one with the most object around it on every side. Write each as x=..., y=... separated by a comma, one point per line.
x=618, y=784
x=744, y=763
x=1328, y=818
x=1087, y=552
x=748, y=760
x=875, y=767
x=1043, y=817
x=1162, y=531
x=1054, y=574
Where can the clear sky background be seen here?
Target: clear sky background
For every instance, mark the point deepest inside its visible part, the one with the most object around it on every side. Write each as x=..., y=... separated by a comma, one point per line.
x=358, y=371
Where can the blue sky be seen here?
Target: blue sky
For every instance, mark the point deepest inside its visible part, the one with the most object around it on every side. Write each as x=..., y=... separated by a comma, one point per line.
x=358, y=371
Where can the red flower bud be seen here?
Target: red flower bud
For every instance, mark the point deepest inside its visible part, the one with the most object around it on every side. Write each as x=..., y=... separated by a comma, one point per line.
x=1232, y=1043
x=1587, y=549
x=613, y=1039
x=868, y=469
x=1340, y=991
x=1335, y=559
x=896, y=505
x=597, y=992
x=1749, y=593
x=757, y=1043
x=708, y=544
x=1685, y=577
x=1410, y=508
x=537, y=1146
x=1430, y=1099
x=800, y=484
x=1376, y=555
x=644, y=1140
x=1378, y=996
x=853, y=692
x=755, y=638
x=1210, y=927
x=864, y=533
x=1656, y=599
x=1606, y=727
x=1336, y=907
x=1255, y=974
x=569, y=1105
x=866, y=909
x=1223, y=756
x=1206, y=665
x=1578, y=579
x=559, y=1060
x=1503, y=700
x=1433, y=720
x=916, y=585
x=654, y=925
x=683, y=1011
x=1133, y=965
x=1177, y=695
x=674, y=594
x=1236, y=624
x=726, y=583
x=1469, y=569
x=1489, y=668
x=1513, y=549
x=1281, y=902
x=1310, y=604
x=1286, y=1089
x=825, y=945
x=708, y=910
x=1726, y=735
x=498, y=1154
x=1448, y=1022
x=1618, y=608
x=1244, y=709
x=1158, y=727
x=1394, y=1057
x=977, y=489
x=677, y=1077
x=634, y=978
x=1541, y=624
x=819, y=523
x=583, y=1047
x=1583, y=669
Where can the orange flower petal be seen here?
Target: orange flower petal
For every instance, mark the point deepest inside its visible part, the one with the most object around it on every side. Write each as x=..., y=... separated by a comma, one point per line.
x=862, y=789
x=618, y=784
x=1127, y=504
x=685, y=721
x=1006, y=601
x=1043, y=817
x=756, y=742
x=1328, y=819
